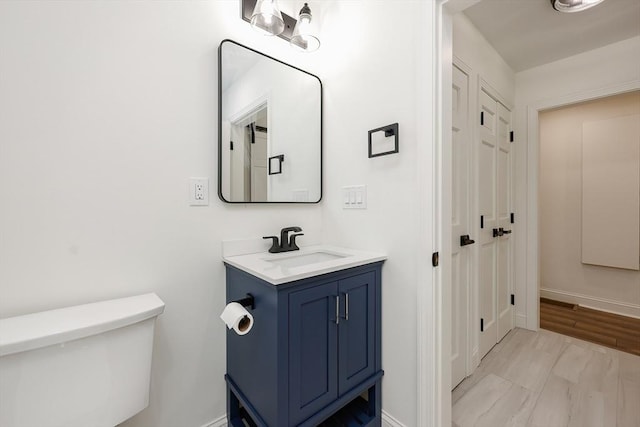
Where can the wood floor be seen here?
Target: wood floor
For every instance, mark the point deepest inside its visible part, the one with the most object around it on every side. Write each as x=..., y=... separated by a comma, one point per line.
x=544, y=379
x=611, y=330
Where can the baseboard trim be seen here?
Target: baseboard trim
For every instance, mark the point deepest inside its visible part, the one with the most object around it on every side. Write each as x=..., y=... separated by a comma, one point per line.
x=387, y=421
x=218, y=422
x=603, y=304
x=521, y=321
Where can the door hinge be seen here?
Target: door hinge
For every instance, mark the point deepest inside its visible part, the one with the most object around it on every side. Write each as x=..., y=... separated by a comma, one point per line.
x=481, y=118
x=511, y=136
x=481, y=324
x=513, y=299
x=481, y=221
x=230, y=145
x=513, y=218
x=435, y=259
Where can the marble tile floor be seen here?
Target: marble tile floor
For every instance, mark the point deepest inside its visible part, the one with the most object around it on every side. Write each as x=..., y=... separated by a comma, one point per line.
x=544, y=379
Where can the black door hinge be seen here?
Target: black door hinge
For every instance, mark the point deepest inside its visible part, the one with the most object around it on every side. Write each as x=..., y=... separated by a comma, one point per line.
x=511, y=136
x=481, y=324
x=481, y=221
x=435, y=259
x=513, y=218
x=230, y=145
x=481, y=118
x=513, y=299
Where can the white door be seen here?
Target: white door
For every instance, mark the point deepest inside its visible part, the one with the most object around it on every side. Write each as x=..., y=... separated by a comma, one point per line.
x=460, y=152
x=237, y=160
x=504, y=241
x=495, y=189
x=488, y=250
x=259, y=167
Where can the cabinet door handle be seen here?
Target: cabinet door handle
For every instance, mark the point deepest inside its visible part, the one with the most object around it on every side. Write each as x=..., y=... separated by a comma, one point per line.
x=337, y=309
x=346, y=306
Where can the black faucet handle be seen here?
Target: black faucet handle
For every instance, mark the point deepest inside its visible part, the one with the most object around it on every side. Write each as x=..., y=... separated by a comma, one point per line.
x=274, y=243
x=292, y=241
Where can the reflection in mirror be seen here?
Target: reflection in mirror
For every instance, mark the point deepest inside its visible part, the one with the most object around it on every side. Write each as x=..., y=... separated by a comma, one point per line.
x=267, y=110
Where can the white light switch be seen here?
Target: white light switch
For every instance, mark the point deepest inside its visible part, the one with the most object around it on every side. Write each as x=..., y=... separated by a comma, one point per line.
x=354, y=197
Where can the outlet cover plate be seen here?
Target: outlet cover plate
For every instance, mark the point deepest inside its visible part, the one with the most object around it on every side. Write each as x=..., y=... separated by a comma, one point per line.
x=198, y=191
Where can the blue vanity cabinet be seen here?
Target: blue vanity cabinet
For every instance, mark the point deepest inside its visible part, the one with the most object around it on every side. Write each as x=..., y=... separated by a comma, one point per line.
x=312, y=354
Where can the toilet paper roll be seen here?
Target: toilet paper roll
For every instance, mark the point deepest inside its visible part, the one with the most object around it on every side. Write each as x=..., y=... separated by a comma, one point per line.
x=237, y=318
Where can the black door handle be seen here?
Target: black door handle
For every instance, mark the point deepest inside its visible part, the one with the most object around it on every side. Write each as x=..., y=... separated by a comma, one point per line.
x=497, y=232
x=465, y=240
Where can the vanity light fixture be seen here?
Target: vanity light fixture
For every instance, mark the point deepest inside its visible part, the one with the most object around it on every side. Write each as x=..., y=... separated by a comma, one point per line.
x=570, y=6
x=266, y=18
x=298, y=32
x=303, y=37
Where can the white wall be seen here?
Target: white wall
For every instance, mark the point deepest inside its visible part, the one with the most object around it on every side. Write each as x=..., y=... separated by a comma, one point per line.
x=381, y=90
x=562, y=272
x=108, y=107
x=474, y=50
x=605, y=71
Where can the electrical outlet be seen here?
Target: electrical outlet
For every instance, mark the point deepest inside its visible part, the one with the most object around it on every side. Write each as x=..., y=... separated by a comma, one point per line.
x=198, y=191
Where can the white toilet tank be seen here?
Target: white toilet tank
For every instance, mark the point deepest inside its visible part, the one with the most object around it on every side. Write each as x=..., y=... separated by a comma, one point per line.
x=82, y=366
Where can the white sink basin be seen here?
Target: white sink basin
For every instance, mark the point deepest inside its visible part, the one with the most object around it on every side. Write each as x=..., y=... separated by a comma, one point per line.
x=307, y=262
x=299, y=260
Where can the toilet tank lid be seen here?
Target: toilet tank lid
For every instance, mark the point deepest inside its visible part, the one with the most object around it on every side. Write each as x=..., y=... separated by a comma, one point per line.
x=36, y=330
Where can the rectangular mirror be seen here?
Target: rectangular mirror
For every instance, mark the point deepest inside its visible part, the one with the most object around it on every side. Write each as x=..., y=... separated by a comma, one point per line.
x=269, y=129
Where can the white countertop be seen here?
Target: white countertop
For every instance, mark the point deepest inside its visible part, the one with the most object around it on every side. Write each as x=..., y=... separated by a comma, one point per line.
x=268, y=266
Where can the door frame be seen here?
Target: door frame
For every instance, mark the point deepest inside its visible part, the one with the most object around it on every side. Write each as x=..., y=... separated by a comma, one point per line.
x=434, y=61
x=434, y=370
x=533, y=167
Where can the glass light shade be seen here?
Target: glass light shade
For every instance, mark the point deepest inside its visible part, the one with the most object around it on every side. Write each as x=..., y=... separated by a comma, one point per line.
x=571, y=6
x=302, y=36
x=267, y=18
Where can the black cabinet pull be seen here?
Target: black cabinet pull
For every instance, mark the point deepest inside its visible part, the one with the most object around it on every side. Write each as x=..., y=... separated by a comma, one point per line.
x=507, y=231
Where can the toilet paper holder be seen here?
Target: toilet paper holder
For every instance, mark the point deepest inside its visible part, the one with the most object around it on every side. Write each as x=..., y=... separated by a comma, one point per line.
x=248, y=301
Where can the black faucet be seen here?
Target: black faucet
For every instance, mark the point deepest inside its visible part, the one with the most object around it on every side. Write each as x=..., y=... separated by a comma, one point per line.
x=287, y=243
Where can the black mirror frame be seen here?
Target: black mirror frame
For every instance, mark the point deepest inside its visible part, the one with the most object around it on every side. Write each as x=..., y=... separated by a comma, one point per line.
x=220, y=196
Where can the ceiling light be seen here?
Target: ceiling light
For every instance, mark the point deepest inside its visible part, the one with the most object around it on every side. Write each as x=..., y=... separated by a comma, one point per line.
x=570, y=6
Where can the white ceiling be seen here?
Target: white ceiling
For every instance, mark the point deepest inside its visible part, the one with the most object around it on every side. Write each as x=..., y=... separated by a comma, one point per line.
x=528, y=33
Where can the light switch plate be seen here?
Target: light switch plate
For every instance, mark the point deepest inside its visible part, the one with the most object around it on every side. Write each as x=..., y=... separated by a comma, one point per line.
x=354, y=197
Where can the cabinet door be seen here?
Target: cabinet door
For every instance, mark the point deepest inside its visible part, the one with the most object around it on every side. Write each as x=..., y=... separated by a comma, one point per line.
x=356, y=330
x=313, y=351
